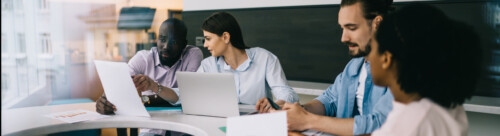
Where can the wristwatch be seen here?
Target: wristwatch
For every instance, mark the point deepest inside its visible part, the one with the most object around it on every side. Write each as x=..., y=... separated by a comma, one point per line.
x=159, y=90
x=145, y=98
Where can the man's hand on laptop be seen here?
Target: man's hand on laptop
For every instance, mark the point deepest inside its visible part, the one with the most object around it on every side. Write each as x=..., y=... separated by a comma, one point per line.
x=143, y=83
x=103, y=106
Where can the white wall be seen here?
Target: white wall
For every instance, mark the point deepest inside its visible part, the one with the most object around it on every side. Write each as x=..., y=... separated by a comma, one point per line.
x=194, y=5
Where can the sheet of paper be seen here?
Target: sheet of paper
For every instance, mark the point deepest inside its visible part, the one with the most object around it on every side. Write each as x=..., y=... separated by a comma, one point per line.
x=120, y=89
x=269, y=124
x=311, y=132
x=76, y=116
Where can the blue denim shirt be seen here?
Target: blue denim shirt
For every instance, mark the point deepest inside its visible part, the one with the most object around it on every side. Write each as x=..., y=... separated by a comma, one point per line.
x=339, y=99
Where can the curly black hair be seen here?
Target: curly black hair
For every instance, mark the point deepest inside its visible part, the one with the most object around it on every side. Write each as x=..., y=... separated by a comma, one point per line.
x=437, y=57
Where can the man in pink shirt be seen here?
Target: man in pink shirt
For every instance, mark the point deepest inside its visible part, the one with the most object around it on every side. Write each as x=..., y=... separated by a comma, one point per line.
x=153, y=71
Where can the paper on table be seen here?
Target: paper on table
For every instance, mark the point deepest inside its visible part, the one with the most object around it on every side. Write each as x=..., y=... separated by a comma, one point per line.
x=269, y=124
x=119, y=88
x=76, y=116
x=311, y=132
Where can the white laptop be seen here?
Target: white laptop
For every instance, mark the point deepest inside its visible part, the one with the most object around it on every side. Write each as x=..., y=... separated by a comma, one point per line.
x=210, y=94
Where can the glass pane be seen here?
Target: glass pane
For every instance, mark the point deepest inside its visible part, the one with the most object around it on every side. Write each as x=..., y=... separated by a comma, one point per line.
x=50, y=45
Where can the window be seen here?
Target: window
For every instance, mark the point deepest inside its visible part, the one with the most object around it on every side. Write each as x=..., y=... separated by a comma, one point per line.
x=6, y=5
x=4, y=44
x=21, y=61
x=5, y=82
x=19, y=5
x=46, y=44
x=175, y=14
x=21, y=43
x=43, y=5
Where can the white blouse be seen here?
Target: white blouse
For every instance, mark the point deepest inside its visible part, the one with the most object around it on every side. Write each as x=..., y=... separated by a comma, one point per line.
x=424, y=118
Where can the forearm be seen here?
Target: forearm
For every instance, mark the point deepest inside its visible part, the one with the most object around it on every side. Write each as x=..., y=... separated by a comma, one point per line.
x=332, y=125
x=280, y=102
x=315, y=107
x=167, y=94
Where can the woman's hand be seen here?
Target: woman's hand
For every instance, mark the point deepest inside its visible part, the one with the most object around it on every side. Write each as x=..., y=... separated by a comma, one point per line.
x=263, y=105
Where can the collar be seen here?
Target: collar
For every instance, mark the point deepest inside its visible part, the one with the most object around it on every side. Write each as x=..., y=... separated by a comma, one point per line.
x=243, y=67
x=355, y=65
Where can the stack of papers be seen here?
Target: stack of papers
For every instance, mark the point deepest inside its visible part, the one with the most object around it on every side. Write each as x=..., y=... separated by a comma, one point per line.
x=76, y=116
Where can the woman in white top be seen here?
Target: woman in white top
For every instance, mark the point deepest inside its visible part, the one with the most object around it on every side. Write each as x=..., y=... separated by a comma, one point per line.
x=431, y=64
x=257, y=72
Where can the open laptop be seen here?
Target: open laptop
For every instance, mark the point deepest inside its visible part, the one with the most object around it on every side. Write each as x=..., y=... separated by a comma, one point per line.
x=210, y=94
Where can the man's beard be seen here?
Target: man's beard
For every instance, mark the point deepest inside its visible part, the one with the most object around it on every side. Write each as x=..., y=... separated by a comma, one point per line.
x=170, y=60
x=360, y=53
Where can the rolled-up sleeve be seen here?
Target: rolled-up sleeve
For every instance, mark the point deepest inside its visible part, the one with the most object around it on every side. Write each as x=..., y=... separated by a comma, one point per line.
x=276, y=80
x=364, y=124
x=329, y=97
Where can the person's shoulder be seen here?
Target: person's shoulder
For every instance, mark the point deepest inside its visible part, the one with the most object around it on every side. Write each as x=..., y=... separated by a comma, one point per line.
x=208, y=64
x=440, y=120
x=427, y=109
x=192, y=50
x=261, y=52
x=438, y=110
x=208, y=61
x=422, y=104
x=145, y=53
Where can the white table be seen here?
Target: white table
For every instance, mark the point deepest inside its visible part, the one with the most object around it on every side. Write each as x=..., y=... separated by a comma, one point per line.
x=308, y=88
x=31, y=121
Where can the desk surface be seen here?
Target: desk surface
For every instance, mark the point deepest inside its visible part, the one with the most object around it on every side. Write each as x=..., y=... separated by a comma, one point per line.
x=31, y=121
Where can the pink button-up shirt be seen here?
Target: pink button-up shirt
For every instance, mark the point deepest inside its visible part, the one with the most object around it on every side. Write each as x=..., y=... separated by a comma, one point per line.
x=147, y=62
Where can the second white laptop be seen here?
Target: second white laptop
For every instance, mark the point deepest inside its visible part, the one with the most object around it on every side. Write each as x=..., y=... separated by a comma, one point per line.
x=209, y=94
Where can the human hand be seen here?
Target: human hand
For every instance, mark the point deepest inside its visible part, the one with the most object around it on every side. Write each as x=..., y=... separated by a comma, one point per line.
x=263, y=105
x=103, y=106
x=293, y=133
x=143, y=83
x=297, y=117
